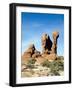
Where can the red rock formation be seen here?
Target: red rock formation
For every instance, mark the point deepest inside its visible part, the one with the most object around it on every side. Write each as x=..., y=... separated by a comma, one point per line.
x=49, y=49
x=46, y=43
x=54, y=46
x=31, y=52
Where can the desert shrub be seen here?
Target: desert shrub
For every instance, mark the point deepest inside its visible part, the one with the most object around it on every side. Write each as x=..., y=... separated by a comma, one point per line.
x=55, y=66
x=31, y=63
x=30, y=66
x=60, y=65
x=46, y=63
x=60, y=58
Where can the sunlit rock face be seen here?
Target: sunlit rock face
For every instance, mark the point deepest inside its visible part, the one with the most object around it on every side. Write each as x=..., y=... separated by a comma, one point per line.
x=49, y=47
x=30, y=53
x=54, y=46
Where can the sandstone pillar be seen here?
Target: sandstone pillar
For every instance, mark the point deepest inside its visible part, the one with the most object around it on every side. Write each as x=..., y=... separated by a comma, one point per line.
x=46, y=44
x=54, y=46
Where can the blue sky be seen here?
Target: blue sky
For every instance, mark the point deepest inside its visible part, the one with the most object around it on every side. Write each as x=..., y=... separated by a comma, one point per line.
x=33, y=25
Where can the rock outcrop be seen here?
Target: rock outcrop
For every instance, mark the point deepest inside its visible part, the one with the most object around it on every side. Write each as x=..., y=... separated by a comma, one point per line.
x=54, y=45
x=49, y=51
x=31, y=52
x=49, y=47
x=46, y=44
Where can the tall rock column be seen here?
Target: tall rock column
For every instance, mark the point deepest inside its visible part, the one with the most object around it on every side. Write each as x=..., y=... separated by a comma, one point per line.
x=54, y=46
x=46, y=43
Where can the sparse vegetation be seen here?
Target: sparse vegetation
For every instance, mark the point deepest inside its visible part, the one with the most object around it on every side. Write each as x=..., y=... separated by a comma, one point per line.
x=60, y=58
x=54, y=66
x=45, y=63
x=47, y=68
x=31, y=63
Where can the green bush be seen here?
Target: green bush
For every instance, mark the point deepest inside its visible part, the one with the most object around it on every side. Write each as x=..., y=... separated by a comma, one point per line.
x=54, y=66
x=60, y=58
x=31, y=63
x=46, y=63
